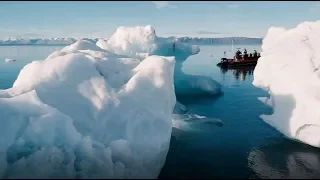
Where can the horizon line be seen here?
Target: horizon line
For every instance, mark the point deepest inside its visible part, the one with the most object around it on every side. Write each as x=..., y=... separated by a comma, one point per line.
x=16, y=38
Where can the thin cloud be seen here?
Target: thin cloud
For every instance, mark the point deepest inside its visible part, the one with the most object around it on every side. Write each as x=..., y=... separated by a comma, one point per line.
x=208, y=32
x=174, y=33
x=29, y=33
x=163, y=4
x=53, y=33
x=315, y=7
x=233, y=6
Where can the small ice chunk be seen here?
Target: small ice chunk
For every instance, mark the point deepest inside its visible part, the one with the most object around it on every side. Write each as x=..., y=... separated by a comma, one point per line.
x=9, y=60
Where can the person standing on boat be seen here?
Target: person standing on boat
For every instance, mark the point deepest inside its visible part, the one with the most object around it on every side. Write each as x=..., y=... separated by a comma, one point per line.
x=245, y=55
x=225, y=54
x=255, y=54
x=238, y=55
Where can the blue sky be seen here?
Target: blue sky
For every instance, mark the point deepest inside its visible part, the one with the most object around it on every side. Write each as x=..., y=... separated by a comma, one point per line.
x=198, y=18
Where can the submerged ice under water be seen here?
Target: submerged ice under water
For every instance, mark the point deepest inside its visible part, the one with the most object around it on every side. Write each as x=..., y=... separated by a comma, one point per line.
x=255, y=150
x=245, y=146
x=100, y=141
x=65, y=113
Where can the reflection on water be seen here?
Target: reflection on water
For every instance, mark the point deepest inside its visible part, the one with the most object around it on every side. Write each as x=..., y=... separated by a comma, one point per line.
x=23, y=55
x=239, y=73
x=285, y=159
x=245, y=146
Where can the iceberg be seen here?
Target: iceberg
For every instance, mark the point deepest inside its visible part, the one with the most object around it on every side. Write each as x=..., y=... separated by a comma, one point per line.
x=289, y=70
x=9, y=60
x=85, y=112
x=140, y=42
x=195, y=122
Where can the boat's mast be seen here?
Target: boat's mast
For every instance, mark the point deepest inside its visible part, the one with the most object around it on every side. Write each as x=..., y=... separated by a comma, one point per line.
x=232, y=45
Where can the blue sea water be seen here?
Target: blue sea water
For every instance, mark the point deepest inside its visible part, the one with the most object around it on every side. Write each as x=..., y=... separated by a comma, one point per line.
x=23, y=55
x=244, y=147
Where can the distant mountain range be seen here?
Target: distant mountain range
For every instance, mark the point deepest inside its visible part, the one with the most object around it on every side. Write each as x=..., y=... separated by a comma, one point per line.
x=67, y=41
x=224, y=40
x=39, y=41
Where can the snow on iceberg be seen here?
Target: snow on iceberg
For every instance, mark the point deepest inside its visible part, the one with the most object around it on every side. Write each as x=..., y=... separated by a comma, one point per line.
x=87, y=113
x=141, y=42
x=289, y=70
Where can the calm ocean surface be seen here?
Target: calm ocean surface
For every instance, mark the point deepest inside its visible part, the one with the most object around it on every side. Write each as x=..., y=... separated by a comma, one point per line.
x=244, y=147
x=24, y=55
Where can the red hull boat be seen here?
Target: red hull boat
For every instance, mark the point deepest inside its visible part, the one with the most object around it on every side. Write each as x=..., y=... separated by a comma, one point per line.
x=244, y=61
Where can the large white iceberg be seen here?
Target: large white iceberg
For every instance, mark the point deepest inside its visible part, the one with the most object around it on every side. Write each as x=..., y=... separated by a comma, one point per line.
x=140, y=42
x=85, y=112
x=289, y=70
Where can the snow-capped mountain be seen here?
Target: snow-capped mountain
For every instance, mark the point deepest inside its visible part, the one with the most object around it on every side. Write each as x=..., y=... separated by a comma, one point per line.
x=68, y=41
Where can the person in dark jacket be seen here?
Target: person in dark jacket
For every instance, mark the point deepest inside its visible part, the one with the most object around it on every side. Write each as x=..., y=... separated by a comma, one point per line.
x=238, y=54
x=245, y=55
x=255, y=54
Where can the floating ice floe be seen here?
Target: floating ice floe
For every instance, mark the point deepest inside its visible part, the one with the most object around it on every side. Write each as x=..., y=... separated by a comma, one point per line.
x=8, y=60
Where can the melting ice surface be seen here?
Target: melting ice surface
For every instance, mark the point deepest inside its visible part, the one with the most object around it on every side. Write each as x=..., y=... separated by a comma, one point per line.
x=289, y=70
x=90, y=111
